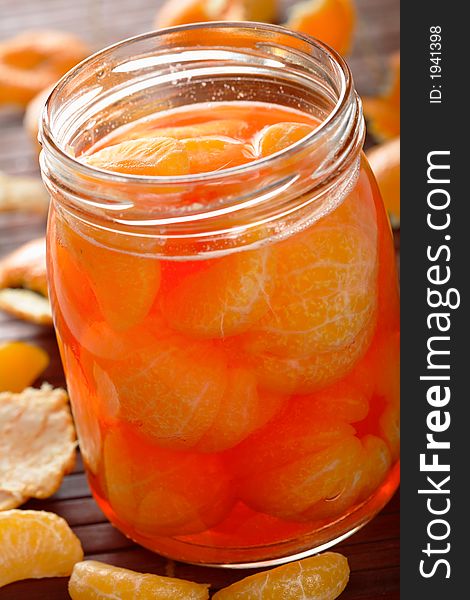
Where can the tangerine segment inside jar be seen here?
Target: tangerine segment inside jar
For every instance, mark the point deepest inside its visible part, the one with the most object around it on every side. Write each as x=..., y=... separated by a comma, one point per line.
x=254, y=386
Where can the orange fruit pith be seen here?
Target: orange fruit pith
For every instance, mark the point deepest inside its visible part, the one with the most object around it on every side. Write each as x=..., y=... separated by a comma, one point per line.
x=246, y=387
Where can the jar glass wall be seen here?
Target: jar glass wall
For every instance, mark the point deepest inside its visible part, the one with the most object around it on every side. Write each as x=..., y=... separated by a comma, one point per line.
x=231, y=338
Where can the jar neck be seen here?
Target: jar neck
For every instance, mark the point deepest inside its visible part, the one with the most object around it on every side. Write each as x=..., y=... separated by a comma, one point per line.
x=205, y=63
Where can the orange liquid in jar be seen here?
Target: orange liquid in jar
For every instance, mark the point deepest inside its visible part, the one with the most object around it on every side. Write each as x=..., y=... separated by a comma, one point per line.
x=229, y=404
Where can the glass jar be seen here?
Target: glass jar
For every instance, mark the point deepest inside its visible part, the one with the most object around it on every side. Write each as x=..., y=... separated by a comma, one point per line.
x=230, y=339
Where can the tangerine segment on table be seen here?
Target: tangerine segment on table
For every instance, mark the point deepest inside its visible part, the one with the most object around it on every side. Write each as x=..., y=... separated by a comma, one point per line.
x=34, y=60
x=161, y=492
x=290, y=490
x=384, y=160
x=93, y=580
x=322, y=577
x=325, y=293
x=20, y=365
x=331, y=21
x=173, y=13
x=171, y=391
x=225, y=298
x=36, y=544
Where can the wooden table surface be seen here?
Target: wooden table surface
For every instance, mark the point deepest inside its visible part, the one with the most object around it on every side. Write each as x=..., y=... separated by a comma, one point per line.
x=373, y=552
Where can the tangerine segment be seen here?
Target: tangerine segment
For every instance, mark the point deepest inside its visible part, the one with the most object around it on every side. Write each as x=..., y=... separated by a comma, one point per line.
x=384, y=160
x=331, y=21
x=371, y=469
x=311, y=373
x=160, y=492
x=291, y=489
x=343, y=400
x=275, y=138
x=321, y=577
x=93, y=580
x=103, y=342
x=123, y=284
x=214, y=153
x=378, y=461
x=84, y=404
x=73, y=297
x=292, y=434
x=242, y=410
x=232, y=128
x=143, y=156
x=189, y=11
x=20, y=365
x=224, y=299
x=390, y=429
x=36, y=544
x=263, y=11
x=326, y=287
x=171, y=391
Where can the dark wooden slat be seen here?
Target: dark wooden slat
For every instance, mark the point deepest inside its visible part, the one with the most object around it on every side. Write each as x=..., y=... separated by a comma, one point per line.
x=74, y=486
x=77, y=511
x=99, y=537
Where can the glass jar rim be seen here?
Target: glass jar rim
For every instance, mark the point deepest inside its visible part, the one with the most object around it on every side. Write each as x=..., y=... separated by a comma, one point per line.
x=50, y=143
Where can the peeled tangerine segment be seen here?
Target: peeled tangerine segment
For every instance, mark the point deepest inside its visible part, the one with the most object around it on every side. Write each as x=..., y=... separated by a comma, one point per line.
x=281, y=135
x=214, y=153
x=326, y=286
x=93, y=580
x=171, y=391
x=84, y=403
x=364, y=479
x=20, y=365
x=288, y=491
x=243, y=409
x=233, y=128
x=310, y=373
x=331, y=21
x=383, y=359
x=384, y=160
x=36, y=544
x=295, y=432
x=321, y=577
x=124, y=285
x=223, y=299
x=343, y=400
x=159, y=156
x=160, y=492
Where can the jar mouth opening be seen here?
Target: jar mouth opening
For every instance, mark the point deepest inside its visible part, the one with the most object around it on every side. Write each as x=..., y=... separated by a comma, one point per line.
x=52, y=145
